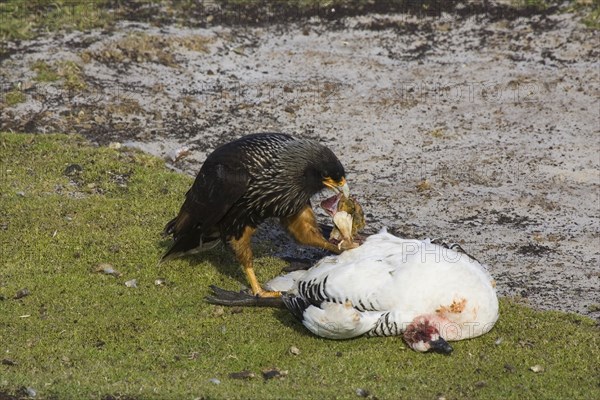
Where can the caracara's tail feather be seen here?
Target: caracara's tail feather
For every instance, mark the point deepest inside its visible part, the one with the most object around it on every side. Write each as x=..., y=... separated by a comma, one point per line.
x=188, y=239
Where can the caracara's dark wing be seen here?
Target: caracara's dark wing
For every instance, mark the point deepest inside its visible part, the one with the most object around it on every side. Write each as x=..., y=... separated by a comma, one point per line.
x=216, y=188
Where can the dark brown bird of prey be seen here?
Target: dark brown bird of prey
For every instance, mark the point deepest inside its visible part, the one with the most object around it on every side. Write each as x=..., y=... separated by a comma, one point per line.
x=246, y=181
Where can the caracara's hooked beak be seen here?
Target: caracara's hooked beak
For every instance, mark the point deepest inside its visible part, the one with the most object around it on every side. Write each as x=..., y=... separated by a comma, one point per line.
x=338, y=186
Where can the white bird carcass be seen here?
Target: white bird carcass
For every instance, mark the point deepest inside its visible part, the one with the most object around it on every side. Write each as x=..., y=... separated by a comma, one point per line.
x=428, y=293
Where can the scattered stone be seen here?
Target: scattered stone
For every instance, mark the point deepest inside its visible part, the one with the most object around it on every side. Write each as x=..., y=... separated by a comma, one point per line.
x=239, y=50
x=115, y=145
x=273, y=373
x=215, y=381
x=338, y=354
x=537, y=368
x=178, y=154
x=294, y=350
x=132, y=283
x=218, y=311
x=73, y=170
x=480, y=384
x=360, y=392
x=242, y=375
x=8, y=361
x=22, y=293
x=498, y=341
x=526, y=343
x=160, y=282
x=21, y=194
x=107, y=269
x=509, y=368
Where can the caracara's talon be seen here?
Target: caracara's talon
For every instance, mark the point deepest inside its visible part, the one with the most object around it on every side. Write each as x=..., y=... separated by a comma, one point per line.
x=231, y=298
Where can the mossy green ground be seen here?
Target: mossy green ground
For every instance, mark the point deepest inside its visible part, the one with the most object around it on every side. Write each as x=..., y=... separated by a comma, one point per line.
x=81, y=334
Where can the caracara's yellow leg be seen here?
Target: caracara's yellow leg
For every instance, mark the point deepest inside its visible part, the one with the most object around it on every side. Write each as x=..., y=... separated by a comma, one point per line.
x=243, y=252
x=256, y=288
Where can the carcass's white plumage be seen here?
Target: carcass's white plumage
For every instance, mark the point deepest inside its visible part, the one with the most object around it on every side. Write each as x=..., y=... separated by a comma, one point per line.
x=392, y=286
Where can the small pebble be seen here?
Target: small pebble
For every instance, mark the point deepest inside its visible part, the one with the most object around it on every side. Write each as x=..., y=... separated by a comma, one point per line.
x=498, y=341
x=215, y=381
x=22, y=293
x=537, y=368
x=273, y=373
x=178, y=154
x=114, y=145
x=107, y=269
x=131, y=283
x=160, y=282
x=31, y=392
x=218, y=311
x=242, y=375
x=480, y=384
x=73, y=169
x=360, y=392
x=8, y=361
x=21, y=194
x=294, y=350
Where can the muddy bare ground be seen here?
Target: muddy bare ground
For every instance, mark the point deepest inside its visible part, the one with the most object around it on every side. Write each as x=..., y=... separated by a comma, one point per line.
x=480, y=128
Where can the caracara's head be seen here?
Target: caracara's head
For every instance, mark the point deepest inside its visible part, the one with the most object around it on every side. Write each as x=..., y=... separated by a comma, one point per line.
x=326, y=171
x=316, y=166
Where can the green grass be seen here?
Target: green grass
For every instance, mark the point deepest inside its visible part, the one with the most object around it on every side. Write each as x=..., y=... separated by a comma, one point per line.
x=24, y=19
x=14, y=97
x=45, y=72
x=592, y=16
x=80, y=334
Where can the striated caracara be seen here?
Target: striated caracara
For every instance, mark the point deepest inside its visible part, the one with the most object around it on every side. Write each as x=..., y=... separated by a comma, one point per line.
x=246, y=181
